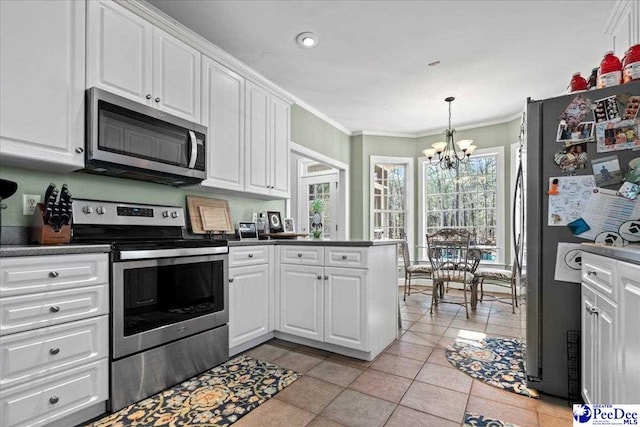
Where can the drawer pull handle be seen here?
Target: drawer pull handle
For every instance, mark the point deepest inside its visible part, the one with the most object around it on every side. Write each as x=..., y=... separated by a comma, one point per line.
x=319, y=277
x=54, y=309
x=250, y=255
x=54, y=399
x=53, y=274
x=54, y=351
x=230, y=280
x=299, y=255
x=344, y=257
x=592, y=273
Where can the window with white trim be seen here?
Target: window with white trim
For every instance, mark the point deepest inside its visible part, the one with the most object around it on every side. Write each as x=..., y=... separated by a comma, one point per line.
x=391, y=195
x=470, y=197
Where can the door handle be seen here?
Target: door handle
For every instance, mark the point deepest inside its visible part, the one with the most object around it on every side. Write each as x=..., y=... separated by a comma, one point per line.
x=194, y=149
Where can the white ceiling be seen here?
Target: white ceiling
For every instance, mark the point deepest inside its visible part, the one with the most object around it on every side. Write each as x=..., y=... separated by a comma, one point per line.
x=369, y=71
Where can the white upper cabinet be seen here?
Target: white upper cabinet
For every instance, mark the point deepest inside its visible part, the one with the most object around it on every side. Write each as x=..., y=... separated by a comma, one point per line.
x=223, y=114
x=130, y=57
x=42, y=84
x=119, y=47
x=267, y=143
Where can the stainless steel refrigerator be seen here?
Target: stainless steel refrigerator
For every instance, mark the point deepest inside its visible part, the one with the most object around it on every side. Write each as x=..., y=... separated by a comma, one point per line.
x=553, y=307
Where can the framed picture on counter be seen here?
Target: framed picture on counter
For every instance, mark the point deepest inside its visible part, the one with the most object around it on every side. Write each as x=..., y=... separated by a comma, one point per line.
x=247, y=230
x=275, y=222
x=289, y=225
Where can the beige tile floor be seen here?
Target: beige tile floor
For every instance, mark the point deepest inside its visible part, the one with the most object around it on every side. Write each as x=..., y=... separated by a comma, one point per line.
x=410, y=384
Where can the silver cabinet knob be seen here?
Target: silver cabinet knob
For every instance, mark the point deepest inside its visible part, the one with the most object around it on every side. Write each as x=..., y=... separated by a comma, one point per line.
x=148, y=96
x=319, y=277
x=299, y=255
x=326, y=277
x=230, y=280
x=157, y=99
x=53, y=274
x=250, y=255
x=592, y=273
x=54, y=351
x=54, y=309
x=79, y=150
x=344, y=257
x=54, y=399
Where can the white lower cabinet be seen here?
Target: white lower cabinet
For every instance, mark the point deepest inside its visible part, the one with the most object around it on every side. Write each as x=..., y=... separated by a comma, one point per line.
x=345, y=307
x=54, y=339
x=610, y=335
x=341, y=296
x=250, y=294
x=301, y=300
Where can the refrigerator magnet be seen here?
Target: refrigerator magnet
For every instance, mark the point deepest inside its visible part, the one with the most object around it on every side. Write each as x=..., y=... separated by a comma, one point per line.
x=630, y=231
x=609, y=238
x=578, y=226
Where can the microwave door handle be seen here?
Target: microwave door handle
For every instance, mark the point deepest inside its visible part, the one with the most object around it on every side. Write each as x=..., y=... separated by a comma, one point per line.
x=194, y=149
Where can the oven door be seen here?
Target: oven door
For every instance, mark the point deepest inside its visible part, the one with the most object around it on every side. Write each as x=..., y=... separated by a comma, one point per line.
x=156, y=301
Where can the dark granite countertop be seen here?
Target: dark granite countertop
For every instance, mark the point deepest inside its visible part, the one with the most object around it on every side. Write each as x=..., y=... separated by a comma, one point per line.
x=351, y=243
x=630, y=253
x=36, y=250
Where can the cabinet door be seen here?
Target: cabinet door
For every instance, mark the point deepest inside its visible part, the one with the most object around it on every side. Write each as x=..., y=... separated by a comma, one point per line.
x=588, y=350
x=223, y=114
x=248, y=303
x=257, y=136
x=42, y=84
x=629, y=333
x=176, y=76
x=345, y=307
x=301, y=311
x=119, y=49
x=279, y=147
x=606, y=364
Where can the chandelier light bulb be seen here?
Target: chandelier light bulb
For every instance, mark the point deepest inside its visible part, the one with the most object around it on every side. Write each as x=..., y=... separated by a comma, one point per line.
x=429, y=153
x=470, y=150
x=464, y=144
x=439, y=146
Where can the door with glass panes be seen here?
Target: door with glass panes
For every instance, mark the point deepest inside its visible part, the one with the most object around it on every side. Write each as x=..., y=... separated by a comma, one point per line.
x=325, y=188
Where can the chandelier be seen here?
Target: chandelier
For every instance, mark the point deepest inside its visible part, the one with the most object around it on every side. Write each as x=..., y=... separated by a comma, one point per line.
x=448, y=156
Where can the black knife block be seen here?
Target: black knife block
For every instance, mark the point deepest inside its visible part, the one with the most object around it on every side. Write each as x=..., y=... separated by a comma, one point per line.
x=44, y=234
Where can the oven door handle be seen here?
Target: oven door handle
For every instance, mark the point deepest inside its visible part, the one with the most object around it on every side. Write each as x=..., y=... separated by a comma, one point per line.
x=167, y=253
x=194, y=149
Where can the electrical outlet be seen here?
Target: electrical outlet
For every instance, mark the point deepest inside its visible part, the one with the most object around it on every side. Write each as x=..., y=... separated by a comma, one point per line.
x=29, y=202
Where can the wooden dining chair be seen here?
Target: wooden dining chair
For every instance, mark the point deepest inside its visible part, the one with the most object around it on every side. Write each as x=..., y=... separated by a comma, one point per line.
x=452, y=262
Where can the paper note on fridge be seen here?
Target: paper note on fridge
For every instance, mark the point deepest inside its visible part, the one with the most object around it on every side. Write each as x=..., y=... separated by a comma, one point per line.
x=568, y=263
x=606, y=211
x=569, y=198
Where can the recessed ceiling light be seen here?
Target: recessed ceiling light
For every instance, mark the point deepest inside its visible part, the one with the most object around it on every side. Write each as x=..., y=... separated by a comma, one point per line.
x=307, y=40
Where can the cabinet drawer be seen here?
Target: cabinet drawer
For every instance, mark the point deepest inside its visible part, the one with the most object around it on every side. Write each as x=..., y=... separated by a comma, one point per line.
x=248, y=255
x=598, y=272
x=25, y=312
x=28, y=275
x=30, y=355
x=304, y=255
x=43, y=401
x=345, y=257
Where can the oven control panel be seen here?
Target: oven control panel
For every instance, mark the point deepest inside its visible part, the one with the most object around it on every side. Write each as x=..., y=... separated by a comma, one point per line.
x=114, y=213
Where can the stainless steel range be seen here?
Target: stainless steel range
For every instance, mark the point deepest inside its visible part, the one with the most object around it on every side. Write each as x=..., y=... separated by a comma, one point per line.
x=169, y=296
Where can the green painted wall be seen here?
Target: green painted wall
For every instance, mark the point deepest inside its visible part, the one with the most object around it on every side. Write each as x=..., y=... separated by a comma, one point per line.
x=362, y=148
x=316, y=134
x=84, y=185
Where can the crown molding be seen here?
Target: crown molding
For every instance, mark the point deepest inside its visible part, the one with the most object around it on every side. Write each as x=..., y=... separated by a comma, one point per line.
x=384, y=133
x=498, y=121
x=184, y=33
x=616, y=17
x=322, y=116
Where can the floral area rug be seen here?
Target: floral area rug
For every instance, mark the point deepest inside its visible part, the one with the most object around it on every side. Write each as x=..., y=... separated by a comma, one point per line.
x=217, y=397
x=474, y=420
x=496, y=361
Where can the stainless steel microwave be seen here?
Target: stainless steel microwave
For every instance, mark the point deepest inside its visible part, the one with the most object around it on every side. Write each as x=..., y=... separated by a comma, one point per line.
x=127, y=139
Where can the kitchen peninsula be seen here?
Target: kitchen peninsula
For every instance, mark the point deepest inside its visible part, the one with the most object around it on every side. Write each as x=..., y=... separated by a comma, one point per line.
x=339, y=296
